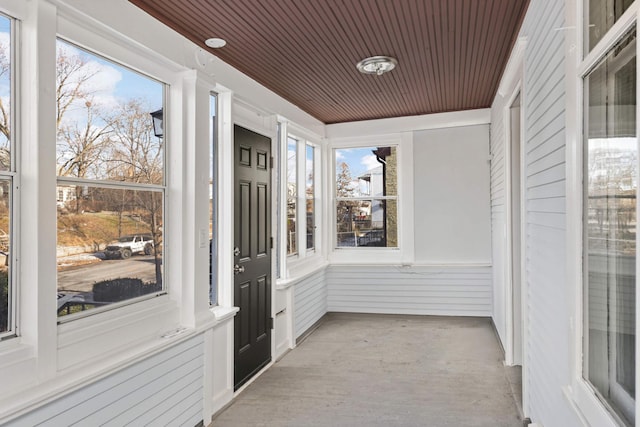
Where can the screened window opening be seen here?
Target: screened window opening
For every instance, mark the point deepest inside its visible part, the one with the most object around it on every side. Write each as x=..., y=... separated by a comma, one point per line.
x=7, y=176
x=611, y=170
x=366, y=191
x=110, y=192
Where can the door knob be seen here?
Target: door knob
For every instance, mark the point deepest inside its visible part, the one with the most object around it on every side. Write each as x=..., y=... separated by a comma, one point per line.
x=237, y=269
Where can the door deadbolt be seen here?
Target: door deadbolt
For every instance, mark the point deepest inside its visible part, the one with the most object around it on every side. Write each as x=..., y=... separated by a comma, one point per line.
x=236, y=251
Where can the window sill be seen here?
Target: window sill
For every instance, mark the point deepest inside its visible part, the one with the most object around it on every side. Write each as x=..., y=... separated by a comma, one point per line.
x=13, y=350
x=300, y=270
x=587, y=407
x=367, y=256
x=18, y=368
x=224, y=313
x=87, y=340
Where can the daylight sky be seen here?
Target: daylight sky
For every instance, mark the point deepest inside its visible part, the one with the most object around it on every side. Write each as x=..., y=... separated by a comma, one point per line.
x=113, y=83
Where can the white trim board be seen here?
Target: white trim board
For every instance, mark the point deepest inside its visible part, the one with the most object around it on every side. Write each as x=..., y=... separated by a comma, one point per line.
x=409, y=123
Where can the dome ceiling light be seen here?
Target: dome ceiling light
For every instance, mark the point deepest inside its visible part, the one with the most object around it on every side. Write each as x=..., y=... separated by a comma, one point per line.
x=215, y=43
x=377, y=65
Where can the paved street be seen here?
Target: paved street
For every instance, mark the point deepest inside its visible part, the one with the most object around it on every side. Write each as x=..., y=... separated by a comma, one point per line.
x=82, y=278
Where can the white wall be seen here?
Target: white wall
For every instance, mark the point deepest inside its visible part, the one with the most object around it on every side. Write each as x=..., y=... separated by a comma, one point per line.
x=451, y=195
x=443, y=264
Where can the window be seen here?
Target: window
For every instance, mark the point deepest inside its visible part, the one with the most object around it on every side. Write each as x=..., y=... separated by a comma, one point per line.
x=366, y=197
x=610, y=221
x=310, y=196
x=292, y=195
x=7, y=177
x=110, y=186
x=213, y=197
x=302, y=193
x=601, y=15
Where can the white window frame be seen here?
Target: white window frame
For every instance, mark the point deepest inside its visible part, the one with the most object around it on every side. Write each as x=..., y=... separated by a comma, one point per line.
x=404, y=252
x=159, y=310
x=214, y=142
x=298, y=252
x=13, y=176
x=580, y=393
x=302, y=261
x=128, y=186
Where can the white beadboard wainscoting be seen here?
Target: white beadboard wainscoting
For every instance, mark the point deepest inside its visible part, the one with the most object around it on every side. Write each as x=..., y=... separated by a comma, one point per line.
x=165, y=389
x=310, y=301
x=450, y=290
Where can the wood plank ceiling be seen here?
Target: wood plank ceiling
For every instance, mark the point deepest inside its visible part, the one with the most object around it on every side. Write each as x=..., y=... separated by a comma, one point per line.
x=451, y=53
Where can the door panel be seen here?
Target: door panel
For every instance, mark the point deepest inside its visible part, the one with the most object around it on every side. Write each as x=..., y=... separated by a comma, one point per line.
x=252, y=233
x=263, y=226
x=244, y=241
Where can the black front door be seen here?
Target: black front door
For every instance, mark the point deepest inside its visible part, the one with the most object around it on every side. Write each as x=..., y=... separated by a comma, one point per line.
x=252, y=231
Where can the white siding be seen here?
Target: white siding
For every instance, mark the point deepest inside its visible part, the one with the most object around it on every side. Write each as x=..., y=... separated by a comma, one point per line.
x=310, y=301
x=165, y=389
x=547, y=357
x=430, y=290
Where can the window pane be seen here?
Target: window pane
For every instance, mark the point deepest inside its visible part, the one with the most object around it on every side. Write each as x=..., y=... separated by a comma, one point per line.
x=109, y=250
x=105, y=130
x=610, y=227
x=367, y=223
x=363, y=173
x=5, y=248
x=213, y=199
x=310, y=196
x=601, y=15
x=5, y=93
x=7, y=288
x=366, y=172
x=292, y=195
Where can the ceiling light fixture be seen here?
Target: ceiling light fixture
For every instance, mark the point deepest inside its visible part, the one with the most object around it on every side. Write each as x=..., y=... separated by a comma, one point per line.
x=377, y=65
x=215, y=42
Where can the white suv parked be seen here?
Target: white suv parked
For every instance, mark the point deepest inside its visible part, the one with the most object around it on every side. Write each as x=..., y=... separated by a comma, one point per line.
x=128, y=245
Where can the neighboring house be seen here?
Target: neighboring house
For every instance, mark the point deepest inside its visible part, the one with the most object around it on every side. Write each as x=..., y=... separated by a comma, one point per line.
x=65, y=195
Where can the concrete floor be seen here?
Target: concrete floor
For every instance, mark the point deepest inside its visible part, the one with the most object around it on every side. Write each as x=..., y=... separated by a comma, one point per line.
x=385, y=370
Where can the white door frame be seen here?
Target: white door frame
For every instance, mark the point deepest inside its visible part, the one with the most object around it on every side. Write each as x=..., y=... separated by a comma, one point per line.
x=512, y=356
x=511, y=86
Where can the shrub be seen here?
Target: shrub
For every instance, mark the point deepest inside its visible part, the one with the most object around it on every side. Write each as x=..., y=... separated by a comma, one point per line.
x=119, y=289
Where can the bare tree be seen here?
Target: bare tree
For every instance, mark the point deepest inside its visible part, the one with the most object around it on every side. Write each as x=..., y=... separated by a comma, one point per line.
x=80, y=147
x=345, y=208
x=137, y=156
x=81, y=144
x=5, y=69
x=72, y=75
